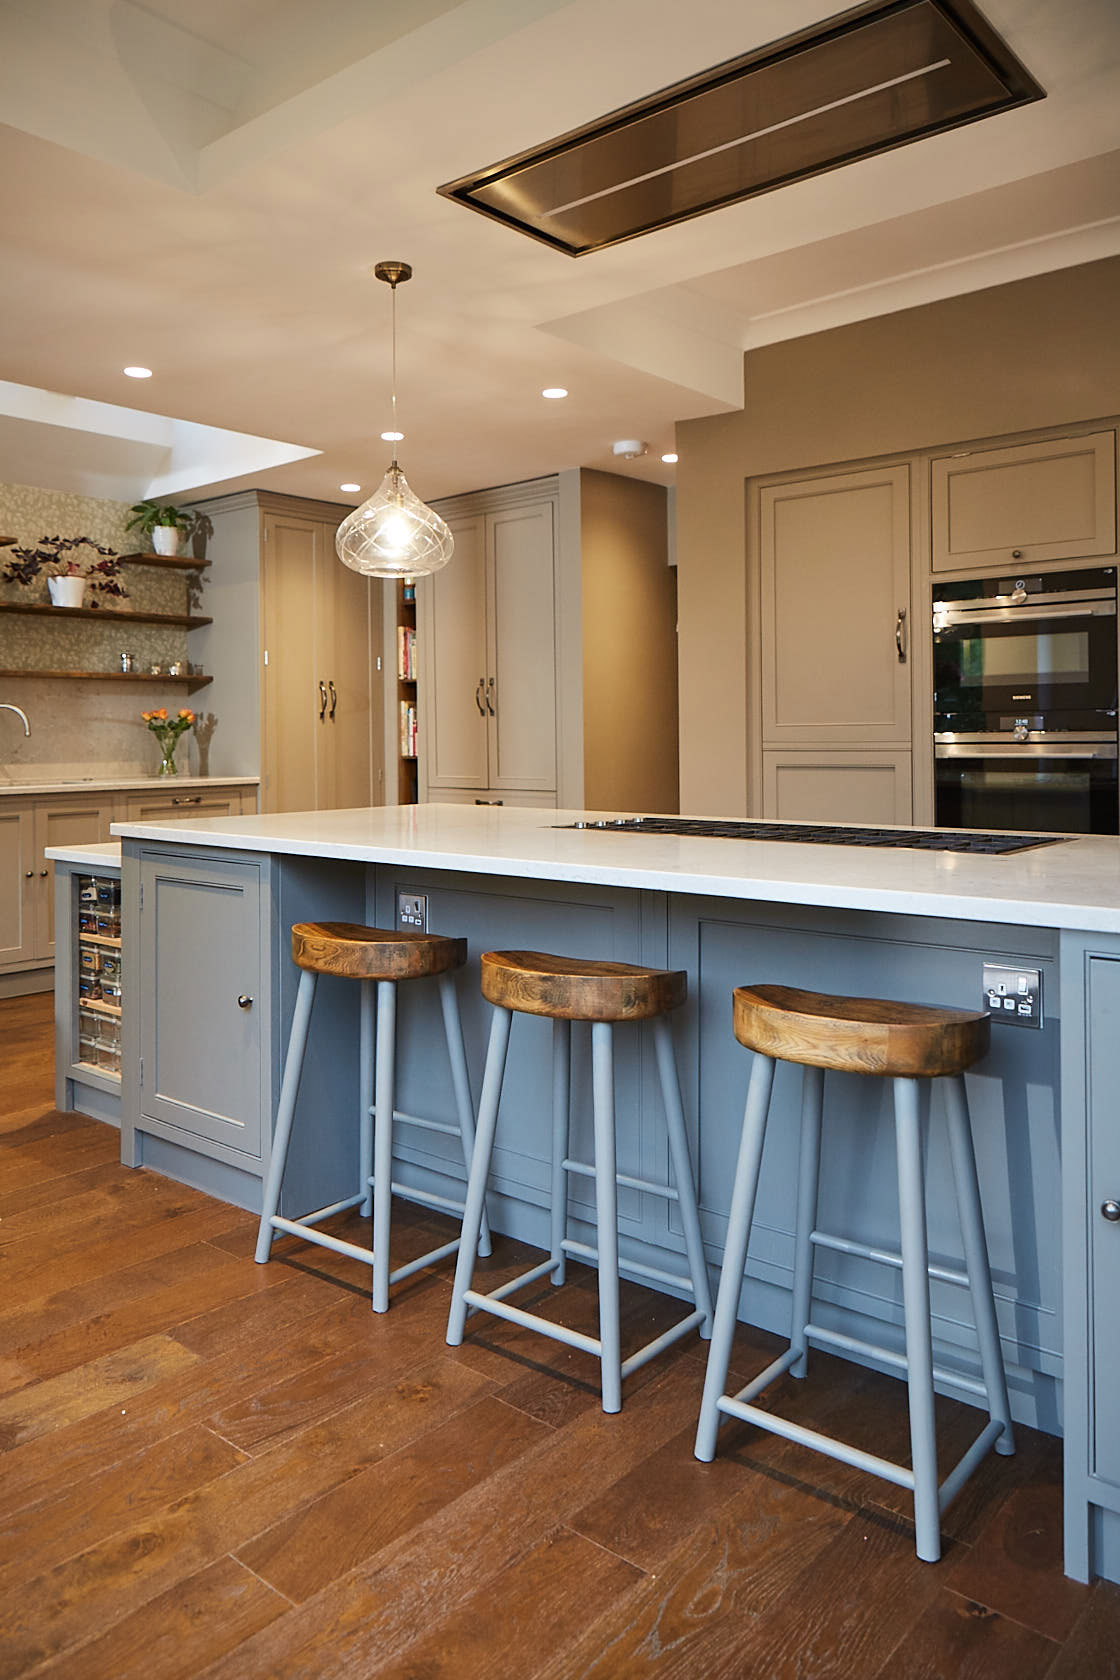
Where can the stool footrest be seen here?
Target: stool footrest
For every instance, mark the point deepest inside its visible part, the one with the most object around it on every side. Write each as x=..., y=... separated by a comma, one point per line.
x=660, y=1343
x=297, y=1228
x=581, y=1251
x=821, y=1337
x=521, y=1281
x=430, y=1259
x=885, y=1257
x=533, y=1321
x=426, y=1198
x=625, y=1181
x=447, y=1127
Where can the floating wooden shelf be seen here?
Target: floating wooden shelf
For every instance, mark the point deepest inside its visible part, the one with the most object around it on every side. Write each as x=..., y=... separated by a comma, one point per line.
x=177, y=562
x=191, y=683
x=112, y=614
x=98, y=939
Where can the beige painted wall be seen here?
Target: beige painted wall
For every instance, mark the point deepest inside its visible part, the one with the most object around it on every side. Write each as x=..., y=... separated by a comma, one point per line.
x=1041, y=352
x=629, y=646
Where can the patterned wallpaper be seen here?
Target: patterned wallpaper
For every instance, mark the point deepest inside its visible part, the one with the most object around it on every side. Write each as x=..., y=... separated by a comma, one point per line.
x=82, y=729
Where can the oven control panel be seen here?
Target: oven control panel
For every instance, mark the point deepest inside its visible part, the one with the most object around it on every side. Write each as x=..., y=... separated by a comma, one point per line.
x=1013, y=995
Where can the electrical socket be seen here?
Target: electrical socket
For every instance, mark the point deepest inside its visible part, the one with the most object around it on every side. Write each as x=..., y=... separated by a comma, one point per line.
x=412, y=911
x=1013, y=994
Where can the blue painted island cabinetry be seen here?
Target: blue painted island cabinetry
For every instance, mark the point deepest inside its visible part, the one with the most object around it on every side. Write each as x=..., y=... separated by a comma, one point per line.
x=206, y=958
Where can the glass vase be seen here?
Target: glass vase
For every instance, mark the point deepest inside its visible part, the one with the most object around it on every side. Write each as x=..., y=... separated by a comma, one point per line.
x=167, y=764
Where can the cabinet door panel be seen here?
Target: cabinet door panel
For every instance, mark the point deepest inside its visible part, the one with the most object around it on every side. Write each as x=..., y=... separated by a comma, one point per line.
x=17, y=895
x=835, y=576
x=74, y=822
x=845, y=787
x=346, y=636
x=200, y=1051
x=290, y=704
x=451, y=609
x=1053, y=499
x=1104, y=1235
x=522, y=648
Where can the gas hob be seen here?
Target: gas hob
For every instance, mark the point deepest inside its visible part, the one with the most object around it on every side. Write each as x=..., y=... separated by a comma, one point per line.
x=824, y=834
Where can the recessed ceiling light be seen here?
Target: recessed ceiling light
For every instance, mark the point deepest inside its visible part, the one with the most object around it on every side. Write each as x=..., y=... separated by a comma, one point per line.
x=352, y=488
x=138, y=372
x=670, y=460
x=554, y=391
x=392, y=437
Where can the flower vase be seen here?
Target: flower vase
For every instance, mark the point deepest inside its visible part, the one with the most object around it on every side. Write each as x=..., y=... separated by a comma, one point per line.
x=167, y=764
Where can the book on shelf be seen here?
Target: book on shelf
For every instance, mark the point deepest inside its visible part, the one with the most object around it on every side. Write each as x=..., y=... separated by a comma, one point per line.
x=406, y=653
x=408, y=729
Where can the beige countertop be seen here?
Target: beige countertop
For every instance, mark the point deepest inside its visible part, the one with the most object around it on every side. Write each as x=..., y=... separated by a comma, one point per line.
x=115, y=784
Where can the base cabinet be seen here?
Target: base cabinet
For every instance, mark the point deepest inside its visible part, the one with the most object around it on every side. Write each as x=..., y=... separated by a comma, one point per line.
x=202, y=992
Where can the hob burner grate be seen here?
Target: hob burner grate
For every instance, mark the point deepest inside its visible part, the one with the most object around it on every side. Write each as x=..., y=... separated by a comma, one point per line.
x=825, y=834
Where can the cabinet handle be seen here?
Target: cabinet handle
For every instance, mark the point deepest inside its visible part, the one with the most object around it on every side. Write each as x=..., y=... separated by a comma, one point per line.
x=334, y=700
x=1016, y=554
x=490, y=697
x=478, y=697
x=43, y=873
x=322, y=702
x=489, y=801
x=900, y=635
x=1111, y=1210
x=30, y=874
x=244, y=1002
x=188, y=799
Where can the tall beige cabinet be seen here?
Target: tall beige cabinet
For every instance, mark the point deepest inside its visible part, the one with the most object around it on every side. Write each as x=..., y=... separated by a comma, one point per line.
x=835, y=645
x=525, y=695
x=299, y=644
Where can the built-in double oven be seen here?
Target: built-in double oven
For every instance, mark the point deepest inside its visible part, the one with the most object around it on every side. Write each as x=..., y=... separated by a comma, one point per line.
x=1025, y=702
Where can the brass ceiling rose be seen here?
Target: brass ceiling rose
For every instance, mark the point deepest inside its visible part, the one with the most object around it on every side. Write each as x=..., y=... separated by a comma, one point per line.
x=392, y=272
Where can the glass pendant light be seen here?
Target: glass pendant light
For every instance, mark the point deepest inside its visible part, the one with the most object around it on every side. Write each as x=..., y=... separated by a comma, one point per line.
x=394, y=534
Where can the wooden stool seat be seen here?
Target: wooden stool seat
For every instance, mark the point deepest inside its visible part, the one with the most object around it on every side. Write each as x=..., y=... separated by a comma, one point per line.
x=577, y=989
x=364, y=953
x=858, y=1034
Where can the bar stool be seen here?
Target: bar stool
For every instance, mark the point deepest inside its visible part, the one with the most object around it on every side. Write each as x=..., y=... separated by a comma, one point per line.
x=379, y=960
x=905, y=1042
x=566, y=989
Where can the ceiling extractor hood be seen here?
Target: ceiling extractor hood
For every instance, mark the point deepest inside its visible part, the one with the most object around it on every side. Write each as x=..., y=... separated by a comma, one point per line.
x=862, y=82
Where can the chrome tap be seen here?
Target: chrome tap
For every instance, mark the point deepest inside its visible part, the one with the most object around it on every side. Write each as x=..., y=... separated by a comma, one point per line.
x=4, y=707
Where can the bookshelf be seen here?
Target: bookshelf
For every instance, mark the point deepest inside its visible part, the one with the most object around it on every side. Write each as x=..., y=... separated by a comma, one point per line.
x=407, y=773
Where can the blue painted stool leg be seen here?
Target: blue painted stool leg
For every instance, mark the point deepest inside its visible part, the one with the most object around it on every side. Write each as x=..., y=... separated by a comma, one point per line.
x=561, y=1110
x=808, y=1180
x=461, y=1081
x=735, y=1253
x=915, y=1295
x=682, y=1170
x=383, y=1140
x=479, y=1172
x=365, y=1099
x=285, y=1112
x=976, y=1259
x=606, y=1213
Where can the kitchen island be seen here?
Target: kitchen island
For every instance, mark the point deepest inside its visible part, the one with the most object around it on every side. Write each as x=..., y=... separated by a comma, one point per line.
x=208, y=906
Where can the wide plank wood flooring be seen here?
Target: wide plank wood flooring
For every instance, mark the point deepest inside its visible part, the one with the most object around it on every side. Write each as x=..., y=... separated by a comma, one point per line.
x=213, y=1470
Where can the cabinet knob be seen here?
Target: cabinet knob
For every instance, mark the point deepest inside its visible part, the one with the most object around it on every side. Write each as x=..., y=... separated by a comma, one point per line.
x=1111, y=1210
x=244, y=1002
x=30, y=874
x=1016, y=554
x=43, y=873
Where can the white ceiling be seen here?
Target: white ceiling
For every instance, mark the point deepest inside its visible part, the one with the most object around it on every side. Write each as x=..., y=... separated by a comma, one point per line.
x=202, y=186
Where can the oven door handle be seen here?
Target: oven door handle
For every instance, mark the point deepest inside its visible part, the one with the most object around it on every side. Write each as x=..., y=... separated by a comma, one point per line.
x=1022, y=615
x=1025, y=750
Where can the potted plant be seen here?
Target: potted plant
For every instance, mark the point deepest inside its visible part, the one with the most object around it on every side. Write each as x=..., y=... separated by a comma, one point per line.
x=68, y=572
x=163, y=526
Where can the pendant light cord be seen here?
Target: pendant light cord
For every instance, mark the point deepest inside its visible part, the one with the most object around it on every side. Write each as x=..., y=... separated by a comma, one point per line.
x=396, y=428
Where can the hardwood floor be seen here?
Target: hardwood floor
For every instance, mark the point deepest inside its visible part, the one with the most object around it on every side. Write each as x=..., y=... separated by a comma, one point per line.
x=221, y=1470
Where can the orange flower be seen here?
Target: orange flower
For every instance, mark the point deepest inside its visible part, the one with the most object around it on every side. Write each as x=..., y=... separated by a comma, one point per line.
x=185, y=712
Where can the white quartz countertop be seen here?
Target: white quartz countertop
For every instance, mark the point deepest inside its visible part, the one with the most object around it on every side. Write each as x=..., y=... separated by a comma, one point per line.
x=122, y=784
x=98, y=855
x=1075, y=884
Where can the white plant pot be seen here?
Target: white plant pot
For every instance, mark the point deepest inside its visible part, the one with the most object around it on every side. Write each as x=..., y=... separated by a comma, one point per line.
x=67, y=591
x=165, y=539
